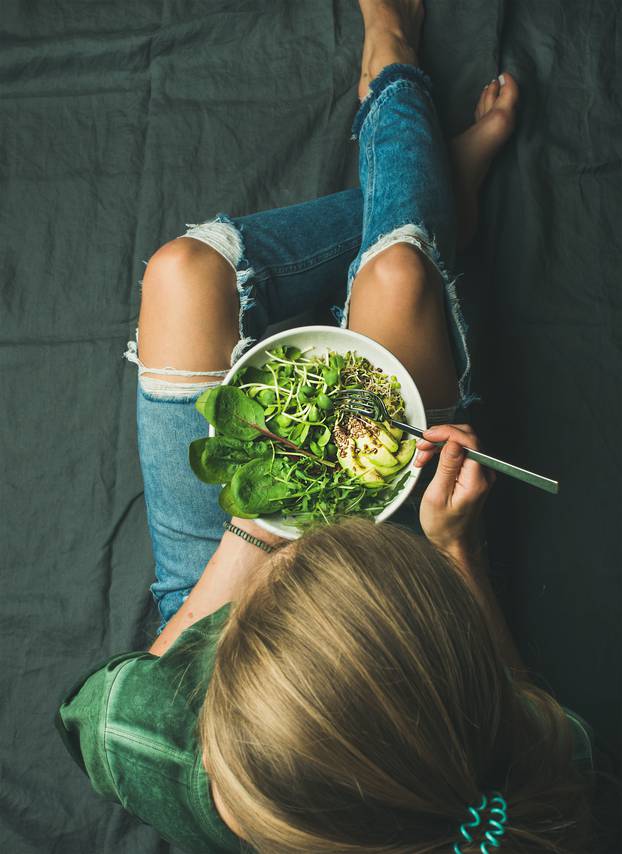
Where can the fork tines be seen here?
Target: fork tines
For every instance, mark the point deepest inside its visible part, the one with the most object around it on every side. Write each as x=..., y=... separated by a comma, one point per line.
x=360, y=410
x=357, y=401
x=354, y=392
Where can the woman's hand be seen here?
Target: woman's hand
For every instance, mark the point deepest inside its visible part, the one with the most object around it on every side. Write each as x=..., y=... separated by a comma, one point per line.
x=450, y=513
x=452, y=503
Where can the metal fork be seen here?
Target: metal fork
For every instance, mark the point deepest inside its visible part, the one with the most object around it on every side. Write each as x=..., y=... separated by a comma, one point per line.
x=370, y=405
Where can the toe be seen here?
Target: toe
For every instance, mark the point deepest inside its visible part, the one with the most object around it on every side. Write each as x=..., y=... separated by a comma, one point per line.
x=508, y=92
x=479, y=107
x=492, y=91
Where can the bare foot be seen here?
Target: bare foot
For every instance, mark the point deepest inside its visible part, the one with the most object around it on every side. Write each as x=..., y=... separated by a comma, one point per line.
x=392, y=34
x=473, y=150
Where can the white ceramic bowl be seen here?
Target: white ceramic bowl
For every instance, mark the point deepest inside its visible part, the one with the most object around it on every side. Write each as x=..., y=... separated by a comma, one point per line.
x=320, y=339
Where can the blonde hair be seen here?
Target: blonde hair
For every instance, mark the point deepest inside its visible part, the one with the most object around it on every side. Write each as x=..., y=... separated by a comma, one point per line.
x=358, y=704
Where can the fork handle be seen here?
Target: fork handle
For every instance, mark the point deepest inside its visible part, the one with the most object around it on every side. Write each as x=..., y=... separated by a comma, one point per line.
x=408, y=428
x=530, y=477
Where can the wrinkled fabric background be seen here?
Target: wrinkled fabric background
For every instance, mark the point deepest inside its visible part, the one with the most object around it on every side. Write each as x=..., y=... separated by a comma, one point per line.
x=123, y=121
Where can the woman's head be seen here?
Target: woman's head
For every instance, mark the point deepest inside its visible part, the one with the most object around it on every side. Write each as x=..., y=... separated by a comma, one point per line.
x=358, y=703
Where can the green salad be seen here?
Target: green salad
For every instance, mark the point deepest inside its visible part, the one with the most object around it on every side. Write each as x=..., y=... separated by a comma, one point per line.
x=282, y=446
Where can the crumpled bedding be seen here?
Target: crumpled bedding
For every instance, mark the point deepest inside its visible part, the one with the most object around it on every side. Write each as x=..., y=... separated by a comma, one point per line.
x=122, y=122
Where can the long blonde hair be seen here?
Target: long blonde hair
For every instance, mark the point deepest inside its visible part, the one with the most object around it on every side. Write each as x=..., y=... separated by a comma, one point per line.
x=358, y=703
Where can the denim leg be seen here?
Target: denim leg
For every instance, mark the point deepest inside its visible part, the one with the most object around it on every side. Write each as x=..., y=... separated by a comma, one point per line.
x=407, y=190
x=184, y=517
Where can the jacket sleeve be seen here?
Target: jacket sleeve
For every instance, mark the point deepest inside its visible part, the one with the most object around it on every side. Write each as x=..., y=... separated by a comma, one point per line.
x=81, y=718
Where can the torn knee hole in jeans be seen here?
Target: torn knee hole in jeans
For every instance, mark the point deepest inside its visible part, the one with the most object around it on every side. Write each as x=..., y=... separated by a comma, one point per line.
x=158, y=387
x=419, y=237
x=414, y=235
x=222, y=235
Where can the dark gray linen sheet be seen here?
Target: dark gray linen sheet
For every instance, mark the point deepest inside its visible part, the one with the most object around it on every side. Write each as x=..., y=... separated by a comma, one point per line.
x=123, y=121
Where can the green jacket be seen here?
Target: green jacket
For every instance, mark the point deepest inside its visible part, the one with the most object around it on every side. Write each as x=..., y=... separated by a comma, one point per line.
x=131, y=726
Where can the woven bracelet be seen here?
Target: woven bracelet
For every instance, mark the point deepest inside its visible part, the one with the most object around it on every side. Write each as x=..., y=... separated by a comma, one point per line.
x=255, y=541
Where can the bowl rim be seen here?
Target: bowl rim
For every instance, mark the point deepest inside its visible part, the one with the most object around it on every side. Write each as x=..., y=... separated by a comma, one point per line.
x=291, y=532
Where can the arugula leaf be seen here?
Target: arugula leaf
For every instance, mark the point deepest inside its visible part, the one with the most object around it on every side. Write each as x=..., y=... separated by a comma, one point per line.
x=230, y=411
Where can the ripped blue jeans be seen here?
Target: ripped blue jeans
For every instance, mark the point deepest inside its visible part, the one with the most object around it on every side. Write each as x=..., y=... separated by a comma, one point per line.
x=291, y=260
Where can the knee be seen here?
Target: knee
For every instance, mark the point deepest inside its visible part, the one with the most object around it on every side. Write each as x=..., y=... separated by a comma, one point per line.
x=175, y=259
x=399, y=265
x=404, y=277
x=187, y=273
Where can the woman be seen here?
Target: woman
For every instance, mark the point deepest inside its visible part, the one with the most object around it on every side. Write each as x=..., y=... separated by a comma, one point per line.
x=357, y=690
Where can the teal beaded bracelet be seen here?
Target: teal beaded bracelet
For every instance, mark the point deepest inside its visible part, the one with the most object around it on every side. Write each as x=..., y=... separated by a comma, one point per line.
x=255, y=541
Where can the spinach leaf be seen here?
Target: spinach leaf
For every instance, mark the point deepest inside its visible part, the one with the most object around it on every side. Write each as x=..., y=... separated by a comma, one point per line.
x=254, y=488
x=256, y=375
x=227, y=502
x=216, y=459
x=230, y=411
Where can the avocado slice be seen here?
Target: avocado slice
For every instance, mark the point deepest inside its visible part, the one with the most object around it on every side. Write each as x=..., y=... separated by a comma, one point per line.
x=385, y=471
x=403, y=456
x=369, y=441
x=377, y=454
x=372, y=479
x=346, y=453
x=389, y=442
x=349, y=461
x=396, y=432
x=406, y=451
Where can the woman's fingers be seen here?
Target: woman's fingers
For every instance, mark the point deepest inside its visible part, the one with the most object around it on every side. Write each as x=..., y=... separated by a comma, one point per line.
x=424, y=456
x=471, y=479
x=461, y=433
x=449, y=469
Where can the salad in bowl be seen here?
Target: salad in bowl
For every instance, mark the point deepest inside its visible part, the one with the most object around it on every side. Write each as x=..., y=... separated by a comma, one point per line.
x=284, y=450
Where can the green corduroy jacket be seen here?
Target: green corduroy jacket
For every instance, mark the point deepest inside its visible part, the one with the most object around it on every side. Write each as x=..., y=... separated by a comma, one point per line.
x=131, y=725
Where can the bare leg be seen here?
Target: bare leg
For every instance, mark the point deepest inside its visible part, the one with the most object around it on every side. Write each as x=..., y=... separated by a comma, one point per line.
x=397, y=299
x=189, y=310
x=392, y=33
x=472, y=151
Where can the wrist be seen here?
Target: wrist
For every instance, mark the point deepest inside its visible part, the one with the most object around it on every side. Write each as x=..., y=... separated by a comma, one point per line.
x=255, y=530
x=469, y=553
